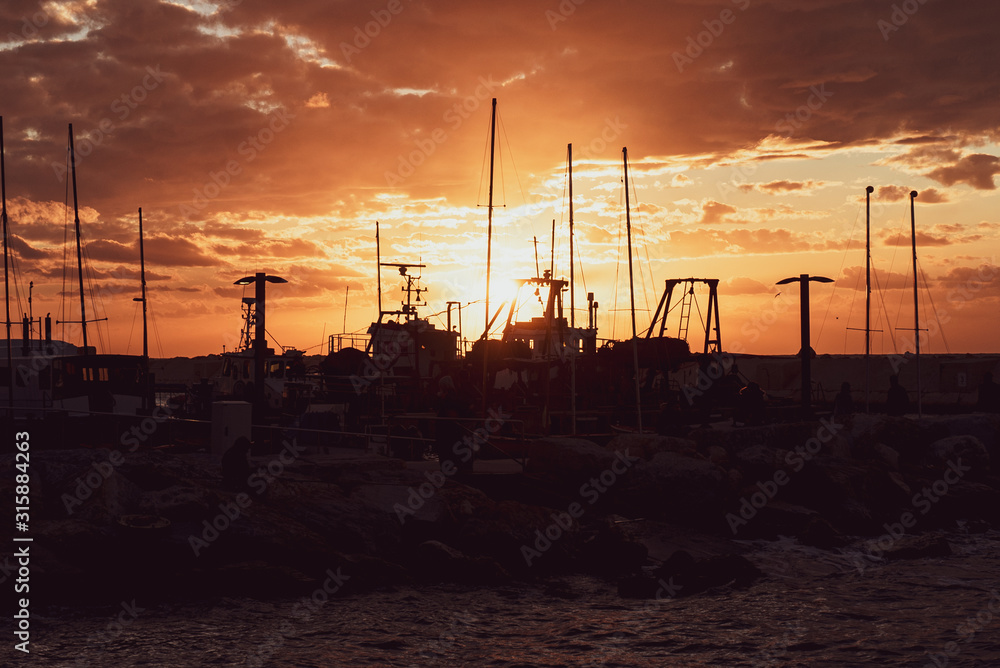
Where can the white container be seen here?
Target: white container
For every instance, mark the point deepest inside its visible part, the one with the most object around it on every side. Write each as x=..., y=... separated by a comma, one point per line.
x=230, y=421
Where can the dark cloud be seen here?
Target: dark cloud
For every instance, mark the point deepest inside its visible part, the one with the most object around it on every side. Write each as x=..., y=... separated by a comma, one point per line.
x=278, y=132
x=976, y=170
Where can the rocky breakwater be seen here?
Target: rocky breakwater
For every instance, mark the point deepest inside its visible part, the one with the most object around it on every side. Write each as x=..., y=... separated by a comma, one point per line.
x=646, y=510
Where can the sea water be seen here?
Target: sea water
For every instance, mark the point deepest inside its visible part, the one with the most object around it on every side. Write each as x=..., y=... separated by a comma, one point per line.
x=812, y=608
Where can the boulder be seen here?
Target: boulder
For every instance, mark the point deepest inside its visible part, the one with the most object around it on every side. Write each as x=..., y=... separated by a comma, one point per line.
x=567, y=462
x=677, y=488
x=648, y=446
x=969, y=449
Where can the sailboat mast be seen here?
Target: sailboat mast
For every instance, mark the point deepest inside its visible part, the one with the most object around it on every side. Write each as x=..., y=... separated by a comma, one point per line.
x=378, y=271
x=489, y=219
x=142, y=280
x=572, y=285
x=916, y=311
x=489, y=256
x=631, y=294
x=552, y=252
x=628, y=230
x=868, y=295
x=572, y=300
x=6, y=275
x=79, y=250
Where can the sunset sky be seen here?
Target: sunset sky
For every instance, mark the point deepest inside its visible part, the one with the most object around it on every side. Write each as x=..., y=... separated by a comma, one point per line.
x=270, y=136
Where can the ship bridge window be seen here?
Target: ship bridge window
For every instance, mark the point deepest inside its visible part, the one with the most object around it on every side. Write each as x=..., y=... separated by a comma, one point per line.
x=227, y=368
x=275, y=369
x=92, y=374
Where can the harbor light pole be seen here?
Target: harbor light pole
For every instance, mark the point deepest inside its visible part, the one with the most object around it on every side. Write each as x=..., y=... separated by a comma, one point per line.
x=259, y=281
x=806, y=351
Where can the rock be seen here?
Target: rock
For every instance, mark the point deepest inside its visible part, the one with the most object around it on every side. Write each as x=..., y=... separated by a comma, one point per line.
x=886, y=455
x=718, y=456
x=969, y=449
x=774, y=518
x=819, y=533
x=435, y=561
x=612, y=551
x=568, y=462
x=854, y=496
x=677, y=488
x=759, y=462
x=648, y=446
x=967, y=500
x=179, y=504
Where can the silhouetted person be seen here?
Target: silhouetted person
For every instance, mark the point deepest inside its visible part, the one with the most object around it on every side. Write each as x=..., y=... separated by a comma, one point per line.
x=729, y=388
x=896, y=400
x=236, y=464
x=843, y=403
x=751, y=404
x=989, y=394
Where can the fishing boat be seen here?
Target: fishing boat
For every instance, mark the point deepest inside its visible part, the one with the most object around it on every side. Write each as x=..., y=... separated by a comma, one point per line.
x=45, y=375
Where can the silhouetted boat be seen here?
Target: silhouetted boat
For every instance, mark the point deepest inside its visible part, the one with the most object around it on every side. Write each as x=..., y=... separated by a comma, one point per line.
x=46, y=375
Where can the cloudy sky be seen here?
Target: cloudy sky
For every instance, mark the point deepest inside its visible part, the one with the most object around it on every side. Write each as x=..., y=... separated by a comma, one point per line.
x=265, y=136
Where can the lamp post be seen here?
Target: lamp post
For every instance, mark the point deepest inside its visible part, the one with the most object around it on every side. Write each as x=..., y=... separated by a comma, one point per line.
x=259, y=280
x=805, y=352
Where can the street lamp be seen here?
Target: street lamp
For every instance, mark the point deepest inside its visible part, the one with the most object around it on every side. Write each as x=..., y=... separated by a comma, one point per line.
x=803, y=280
x=259, y=280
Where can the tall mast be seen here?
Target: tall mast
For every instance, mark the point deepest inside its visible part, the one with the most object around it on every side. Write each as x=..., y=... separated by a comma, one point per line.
x=6, y=275
x=142, y=279
x=572, y=301
x=868, y=295
x=552, y=252
x=631, y=293
x=489, y=218
x=572, y=286
x=489, y=254
x=916, y=312
x=628, y=230
x=79, y=250
x=378, y=271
